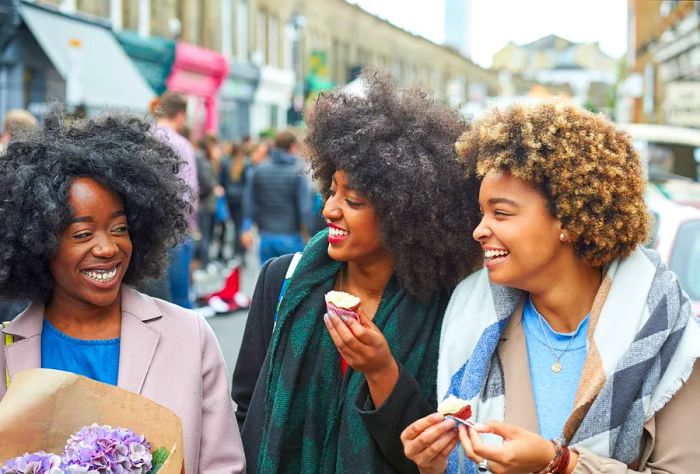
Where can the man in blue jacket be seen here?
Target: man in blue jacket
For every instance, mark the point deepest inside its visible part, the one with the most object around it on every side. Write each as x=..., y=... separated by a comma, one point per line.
x=277, y=199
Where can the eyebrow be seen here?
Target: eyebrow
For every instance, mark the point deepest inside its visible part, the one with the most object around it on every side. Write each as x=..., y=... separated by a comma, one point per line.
x=75, y=220
x=500, y=200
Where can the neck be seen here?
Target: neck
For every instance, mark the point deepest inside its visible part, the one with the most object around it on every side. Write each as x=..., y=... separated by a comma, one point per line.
x=369, y=280
x=568, y=297
x=168, y=123
x=84, y=321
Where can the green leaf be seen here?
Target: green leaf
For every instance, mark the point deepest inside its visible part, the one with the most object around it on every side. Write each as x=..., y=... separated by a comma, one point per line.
x=159, y=457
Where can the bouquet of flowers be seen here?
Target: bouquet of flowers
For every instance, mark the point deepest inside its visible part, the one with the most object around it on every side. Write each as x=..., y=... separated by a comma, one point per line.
x=93, y=449
x=42, y=407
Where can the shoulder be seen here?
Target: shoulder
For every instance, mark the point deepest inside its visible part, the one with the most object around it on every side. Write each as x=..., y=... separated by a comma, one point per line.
x=169, y=319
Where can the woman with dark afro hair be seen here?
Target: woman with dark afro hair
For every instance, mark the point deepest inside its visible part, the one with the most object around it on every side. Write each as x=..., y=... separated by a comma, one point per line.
x=89, y=209
x=575, y=347
x=337, y=387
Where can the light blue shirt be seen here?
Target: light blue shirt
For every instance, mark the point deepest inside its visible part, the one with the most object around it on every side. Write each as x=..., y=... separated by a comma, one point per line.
x=96, y=359
x=554, y=392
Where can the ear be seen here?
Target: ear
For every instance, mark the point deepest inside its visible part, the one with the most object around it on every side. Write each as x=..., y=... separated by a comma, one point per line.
x=563, y=234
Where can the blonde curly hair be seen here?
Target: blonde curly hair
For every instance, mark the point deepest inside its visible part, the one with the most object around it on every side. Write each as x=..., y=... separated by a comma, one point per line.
x=586, y=168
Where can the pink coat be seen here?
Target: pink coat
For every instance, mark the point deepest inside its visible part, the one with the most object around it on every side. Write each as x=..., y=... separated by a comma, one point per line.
x=168, y=354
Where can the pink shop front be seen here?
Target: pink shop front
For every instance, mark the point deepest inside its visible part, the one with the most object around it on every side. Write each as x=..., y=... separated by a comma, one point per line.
x=198, y=73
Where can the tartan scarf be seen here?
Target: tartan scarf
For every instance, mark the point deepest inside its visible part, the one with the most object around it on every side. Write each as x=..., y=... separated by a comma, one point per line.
x=643, y=340
x=311, y=424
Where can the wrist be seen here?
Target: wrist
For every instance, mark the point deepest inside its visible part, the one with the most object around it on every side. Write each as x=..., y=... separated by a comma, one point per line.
x=548, y=454
x=573, y=461
x=388, y=371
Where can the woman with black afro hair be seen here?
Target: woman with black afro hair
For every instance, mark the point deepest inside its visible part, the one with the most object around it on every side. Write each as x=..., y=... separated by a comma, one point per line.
x=89, y=209
x=334, y=392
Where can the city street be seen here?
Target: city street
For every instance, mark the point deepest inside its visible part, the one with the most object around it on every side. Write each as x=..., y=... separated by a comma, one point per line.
x=229, y=327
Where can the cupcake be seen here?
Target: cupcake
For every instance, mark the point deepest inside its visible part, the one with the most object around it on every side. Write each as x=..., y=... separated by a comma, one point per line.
x=455, y=407
x=344, y=305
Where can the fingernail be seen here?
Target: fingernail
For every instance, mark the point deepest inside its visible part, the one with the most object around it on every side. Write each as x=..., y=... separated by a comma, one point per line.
x=343, y=318
x=326, y=318
x=436, y=417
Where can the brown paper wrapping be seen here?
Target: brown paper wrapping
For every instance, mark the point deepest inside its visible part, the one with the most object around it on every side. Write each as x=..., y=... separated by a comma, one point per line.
x=43, y=407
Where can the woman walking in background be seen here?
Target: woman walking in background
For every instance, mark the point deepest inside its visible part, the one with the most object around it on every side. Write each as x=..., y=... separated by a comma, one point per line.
x=234, y=171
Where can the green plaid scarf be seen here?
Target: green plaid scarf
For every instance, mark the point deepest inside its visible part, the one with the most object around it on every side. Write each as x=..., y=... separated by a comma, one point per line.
x=311, y=425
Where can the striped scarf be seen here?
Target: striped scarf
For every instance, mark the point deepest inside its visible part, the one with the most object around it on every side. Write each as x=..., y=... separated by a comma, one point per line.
x=643, y=340
x=311, y=424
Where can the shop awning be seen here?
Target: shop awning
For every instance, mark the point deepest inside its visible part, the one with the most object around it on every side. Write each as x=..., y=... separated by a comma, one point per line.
x=153, y=57
x=87, y=55
x=316, y=83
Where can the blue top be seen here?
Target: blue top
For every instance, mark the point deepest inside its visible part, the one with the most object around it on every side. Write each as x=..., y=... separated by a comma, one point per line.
x=96, y=359
x=554, y=392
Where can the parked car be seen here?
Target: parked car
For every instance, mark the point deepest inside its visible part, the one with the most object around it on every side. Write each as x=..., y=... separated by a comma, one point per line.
x=667, y=150
x=676, y=236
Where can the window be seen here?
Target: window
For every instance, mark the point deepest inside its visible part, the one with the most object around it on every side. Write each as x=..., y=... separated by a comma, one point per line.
x=685, y=258
x=226, y=28
x=242, y=30
x=273, y=41
x=262, y=35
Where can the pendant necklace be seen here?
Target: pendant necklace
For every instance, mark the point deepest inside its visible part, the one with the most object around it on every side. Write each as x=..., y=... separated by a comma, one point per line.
x=556, y=366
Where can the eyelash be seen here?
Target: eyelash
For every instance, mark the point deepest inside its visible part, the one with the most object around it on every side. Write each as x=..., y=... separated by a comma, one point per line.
x=353, y=204
x=84, y=235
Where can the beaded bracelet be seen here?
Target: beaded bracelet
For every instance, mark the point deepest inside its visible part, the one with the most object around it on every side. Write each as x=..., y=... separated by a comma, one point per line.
x=560, y=461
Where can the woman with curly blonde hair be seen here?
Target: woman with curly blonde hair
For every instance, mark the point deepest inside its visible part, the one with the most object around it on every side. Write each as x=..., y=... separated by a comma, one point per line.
x=575, y=346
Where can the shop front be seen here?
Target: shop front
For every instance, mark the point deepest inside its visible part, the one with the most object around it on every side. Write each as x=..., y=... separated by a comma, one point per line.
x=236, y=101
x=273, y=98
x=70, y=58
x=198, y=73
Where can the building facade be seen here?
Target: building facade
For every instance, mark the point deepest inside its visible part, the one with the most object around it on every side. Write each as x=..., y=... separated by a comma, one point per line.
x=663, y=64
x=251, y=65
x=589, y=72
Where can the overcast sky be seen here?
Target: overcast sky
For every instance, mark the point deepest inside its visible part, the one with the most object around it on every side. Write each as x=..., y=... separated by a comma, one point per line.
x=495, y=22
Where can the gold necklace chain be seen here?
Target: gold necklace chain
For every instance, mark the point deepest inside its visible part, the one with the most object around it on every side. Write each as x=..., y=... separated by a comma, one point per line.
x=556, y=366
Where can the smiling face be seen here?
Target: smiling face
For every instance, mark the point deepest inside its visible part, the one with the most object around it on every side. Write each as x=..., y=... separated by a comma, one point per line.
x=94, y=250
x=353, y=228
x=519, y=235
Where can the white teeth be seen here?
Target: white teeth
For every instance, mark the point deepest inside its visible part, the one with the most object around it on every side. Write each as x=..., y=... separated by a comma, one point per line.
x=495, y=253
x=337, y=232
x=101, y=275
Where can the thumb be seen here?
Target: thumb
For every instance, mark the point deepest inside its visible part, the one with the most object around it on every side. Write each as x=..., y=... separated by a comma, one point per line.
x=364, y=320
x=496, y=427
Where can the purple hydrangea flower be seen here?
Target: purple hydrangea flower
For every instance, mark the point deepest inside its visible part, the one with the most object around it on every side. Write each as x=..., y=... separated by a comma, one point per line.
x=34, y=463
x=102, y=449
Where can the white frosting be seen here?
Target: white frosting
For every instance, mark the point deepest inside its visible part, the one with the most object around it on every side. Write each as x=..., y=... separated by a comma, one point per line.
x=451, y=405
x=342, y=300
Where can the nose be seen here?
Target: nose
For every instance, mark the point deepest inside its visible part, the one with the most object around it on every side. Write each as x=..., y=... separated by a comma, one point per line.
x=105, y=246
x=331, y=210
x=482, y=231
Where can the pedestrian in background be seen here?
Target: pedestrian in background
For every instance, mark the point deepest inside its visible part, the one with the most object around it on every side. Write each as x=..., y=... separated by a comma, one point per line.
x=16, y=123
x=277, y=200
x=574, y=332
x=208, y=170
x=88, y=210
x=322, y=395
x=233, y=177
x=170, y=111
